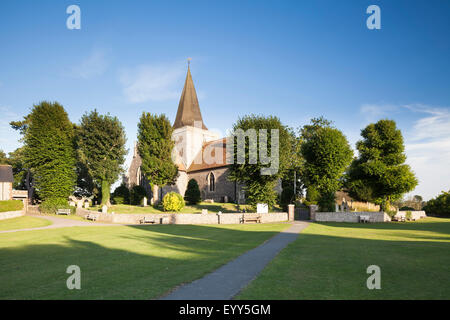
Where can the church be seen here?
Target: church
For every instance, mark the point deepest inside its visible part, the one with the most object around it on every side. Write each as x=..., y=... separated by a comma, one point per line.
x=199, y=153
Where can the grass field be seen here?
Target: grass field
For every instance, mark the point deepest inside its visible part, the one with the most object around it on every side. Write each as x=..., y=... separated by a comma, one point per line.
x=123, y=262
x=22, y=223
x=329, y=261
x=10, y=205
x=211, y=207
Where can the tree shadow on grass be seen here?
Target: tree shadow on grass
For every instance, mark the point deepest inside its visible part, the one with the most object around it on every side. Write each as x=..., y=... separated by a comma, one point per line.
x=121, y=264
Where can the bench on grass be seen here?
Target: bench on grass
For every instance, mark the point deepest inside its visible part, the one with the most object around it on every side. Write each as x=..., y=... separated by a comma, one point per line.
x=90, y=217
x=147, y=220
x=256, y=219
x=399, y=218
x=63, y=211
x=364, y=219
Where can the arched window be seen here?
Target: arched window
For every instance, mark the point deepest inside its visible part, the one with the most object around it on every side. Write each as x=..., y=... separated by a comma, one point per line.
x=212, y=182
x=138, y=176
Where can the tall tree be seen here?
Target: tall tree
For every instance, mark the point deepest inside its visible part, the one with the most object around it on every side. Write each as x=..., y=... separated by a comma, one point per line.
x=259, y=187
x=49, y=150
x=101, y=149
x=3, y=157
x=155, y=147
x=379, y=173
x=327, y=154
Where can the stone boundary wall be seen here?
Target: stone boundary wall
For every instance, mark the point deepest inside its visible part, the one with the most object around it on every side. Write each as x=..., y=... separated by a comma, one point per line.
x=415, y=215
x=350, y=216
x=11, y=214
x=183, y=218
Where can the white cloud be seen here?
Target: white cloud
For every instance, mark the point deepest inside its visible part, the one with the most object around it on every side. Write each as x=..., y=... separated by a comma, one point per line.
x=152, y=82
x=374, y=112
x=428, y=150
x=93, y=65
x=9, y=138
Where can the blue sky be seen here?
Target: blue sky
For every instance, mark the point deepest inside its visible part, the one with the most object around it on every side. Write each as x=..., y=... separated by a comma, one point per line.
x=293, y=59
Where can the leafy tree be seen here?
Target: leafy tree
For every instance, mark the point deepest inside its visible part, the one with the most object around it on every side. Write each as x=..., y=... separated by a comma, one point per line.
x=21, y=173
x=137, y=193
x=259, y=187
x=440, y=205
x=121, y=195
x=3, y=158
x=49, y=151
x=379, y=174
x=155, y=147
x=327, y=154
x=192, y=194
x=101, y=149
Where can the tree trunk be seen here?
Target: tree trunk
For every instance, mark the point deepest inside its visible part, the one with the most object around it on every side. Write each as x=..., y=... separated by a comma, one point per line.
x=155, y=191
x=106, y=193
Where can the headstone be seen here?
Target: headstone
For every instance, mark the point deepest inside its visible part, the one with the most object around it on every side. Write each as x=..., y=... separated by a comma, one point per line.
x=72, y=203
x=144, y=201
x=86, y=204
x=336, y=207
x=262, y=208
x=79, y=204
x=104, y=209
x=204, y=211
x=225, y=199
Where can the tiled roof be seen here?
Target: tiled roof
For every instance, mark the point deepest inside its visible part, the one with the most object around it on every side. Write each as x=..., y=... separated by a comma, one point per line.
x=6, y=173
x=206, y=158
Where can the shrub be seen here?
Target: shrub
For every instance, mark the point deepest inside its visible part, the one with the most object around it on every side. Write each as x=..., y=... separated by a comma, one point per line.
x=391, y=213
x=192, y=194
x=173, y=202
x=121, y=195
x=407, y=208
x=439, y=206
x=51, y=205
x=137, y=194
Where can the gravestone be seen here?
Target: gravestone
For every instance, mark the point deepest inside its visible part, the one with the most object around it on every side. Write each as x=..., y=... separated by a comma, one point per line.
x=104, y=209
x=262, y=208
x=144, y=201
x=86, y=204
x=80, y=204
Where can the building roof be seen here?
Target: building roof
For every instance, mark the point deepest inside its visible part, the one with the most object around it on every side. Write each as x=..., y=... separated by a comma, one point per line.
x=6, y=173
x=206, y=158
x=188, y=108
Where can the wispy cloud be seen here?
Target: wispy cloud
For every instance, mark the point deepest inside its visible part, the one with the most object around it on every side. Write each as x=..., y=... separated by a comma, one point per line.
x=427, y=143
x=152, y=82
x=91, y=66
x=374, y=112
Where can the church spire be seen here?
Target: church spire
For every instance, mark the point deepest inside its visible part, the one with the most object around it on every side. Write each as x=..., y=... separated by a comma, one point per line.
x=188, y=108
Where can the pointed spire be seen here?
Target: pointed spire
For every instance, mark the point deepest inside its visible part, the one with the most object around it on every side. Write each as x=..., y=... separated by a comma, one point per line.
x=188, y=108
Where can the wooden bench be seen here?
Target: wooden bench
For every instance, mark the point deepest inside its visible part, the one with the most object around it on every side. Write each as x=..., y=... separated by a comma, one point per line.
x=256, y=219
x=90, y=217
x=63, y=211
x=147, y=220
x=399, y=218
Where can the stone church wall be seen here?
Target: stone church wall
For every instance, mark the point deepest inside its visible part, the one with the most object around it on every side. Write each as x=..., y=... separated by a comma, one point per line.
x=223, y=187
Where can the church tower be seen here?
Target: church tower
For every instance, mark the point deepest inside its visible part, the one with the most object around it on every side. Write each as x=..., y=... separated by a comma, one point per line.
x=190, y=132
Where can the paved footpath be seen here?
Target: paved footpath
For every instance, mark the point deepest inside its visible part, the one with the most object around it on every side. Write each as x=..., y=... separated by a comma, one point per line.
x=62, y=223
x=227, y=281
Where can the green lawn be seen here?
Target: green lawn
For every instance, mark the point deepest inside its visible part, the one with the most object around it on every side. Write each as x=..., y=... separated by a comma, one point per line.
x=120, y=262
x=329, y=261
x=22, y=223
x=11, y=205
x=212, y=208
